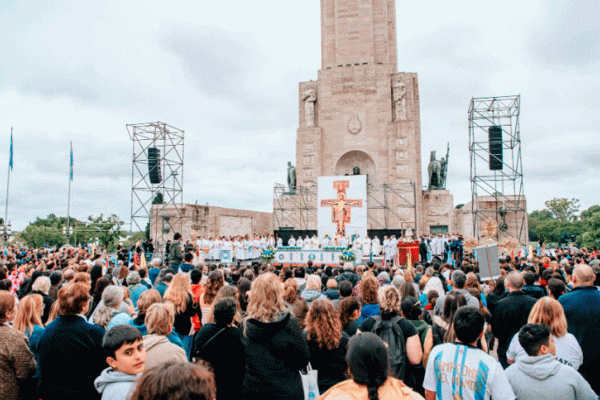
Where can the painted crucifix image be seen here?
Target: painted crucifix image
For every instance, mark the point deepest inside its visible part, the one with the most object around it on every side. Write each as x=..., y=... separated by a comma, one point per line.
x=341, y=207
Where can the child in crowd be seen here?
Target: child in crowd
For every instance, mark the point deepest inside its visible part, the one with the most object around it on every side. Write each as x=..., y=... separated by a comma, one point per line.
x=126, y=356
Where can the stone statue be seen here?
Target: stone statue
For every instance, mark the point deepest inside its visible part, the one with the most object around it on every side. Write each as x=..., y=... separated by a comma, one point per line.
x=438, y=171
x=309, y=98
x=399, y=96
x=291, y=176
x=444, y=163
x=356, y=171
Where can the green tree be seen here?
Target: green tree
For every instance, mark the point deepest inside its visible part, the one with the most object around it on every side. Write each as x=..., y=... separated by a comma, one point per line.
x=134, y=238
x=585, y=214
x=107, y=230
x=563, y=209
x=590, y=221
x=38, y=236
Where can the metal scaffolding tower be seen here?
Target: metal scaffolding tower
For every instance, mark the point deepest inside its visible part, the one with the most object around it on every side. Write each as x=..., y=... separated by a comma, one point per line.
x=388, y=207
x=496, y=165
x=157, y=179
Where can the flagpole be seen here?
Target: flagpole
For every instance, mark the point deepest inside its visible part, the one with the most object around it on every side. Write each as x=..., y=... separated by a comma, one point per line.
x=68, y=232
x=7, y=188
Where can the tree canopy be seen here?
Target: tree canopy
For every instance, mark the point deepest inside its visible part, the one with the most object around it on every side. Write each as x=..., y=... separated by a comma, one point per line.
x=559, y=223
x=51, y=231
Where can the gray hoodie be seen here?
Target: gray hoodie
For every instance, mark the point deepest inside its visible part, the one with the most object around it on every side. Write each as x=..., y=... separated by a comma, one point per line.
x=114, y=385
x=311, y=295
x=544, y=377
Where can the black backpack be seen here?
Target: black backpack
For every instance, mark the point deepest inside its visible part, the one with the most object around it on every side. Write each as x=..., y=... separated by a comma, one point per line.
x=390, y=332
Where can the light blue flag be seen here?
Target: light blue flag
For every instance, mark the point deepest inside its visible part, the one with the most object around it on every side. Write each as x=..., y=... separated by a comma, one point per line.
x=71, y=164
x=10, y=162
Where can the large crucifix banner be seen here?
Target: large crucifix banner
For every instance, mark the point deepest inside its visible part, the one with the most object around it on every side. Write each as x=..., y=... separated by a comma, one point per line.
x=342, y=205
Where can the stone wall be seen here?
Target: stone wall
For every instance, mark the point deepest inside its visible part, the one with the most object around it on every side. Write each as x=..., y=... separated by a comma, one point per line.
x=438, y=211
x=488, y=207
x=211, y=221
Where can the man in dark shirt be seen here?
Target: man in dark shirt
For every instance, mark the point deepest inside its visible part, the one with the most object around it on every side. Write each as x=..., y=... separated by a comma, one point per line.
x=582, y=309
x=530, y=288
x=187, y=266
x=176, y=254
x=510, y=314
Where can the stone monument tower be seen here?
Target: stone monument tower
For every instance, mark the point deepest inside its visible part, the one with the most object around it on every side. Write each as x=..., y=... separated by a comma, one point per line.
x=361, y=112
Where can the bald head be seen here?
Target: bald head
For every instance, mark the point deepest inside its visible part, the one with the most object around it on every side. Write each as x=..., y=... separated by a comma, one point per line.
x=583, y=276
x=514, y=281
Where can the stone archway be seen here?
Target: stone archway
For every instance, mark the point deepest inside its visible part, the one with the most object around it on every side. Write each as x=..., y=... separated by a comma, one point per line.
x=355, y=158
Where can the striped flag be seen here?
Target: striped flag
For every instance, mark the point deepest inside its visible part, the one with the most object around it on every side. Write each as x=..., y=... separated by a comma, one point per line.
x=409, y=261
x=70, y=164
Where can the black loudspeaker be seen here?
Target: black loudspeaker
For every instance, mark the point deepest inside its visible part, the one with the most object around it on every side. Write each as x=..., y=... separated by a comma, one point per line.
x=154, y=165
x=495, y=136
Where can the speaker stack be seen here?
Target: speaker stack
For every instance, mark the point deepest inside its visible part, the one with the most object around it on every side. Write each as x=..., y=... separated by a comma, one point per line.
x=154, y=165
x=495, y=138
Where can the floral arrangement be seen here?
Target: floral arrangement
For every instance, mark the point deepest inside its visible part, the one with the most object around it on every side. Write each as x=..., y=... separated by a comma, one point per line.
x=268, y=255
x=347, y=256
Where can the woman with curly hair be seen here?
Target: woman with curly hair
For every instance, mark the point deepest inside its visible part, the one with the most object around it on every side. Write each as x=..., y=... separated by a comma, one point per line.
x=275, y=346
x=296, y=304
x=174, y=381
x=225, y=292
x=180, y=295
x=327, y=343
x=17, y=363
x=349, y=312
x=214, y=282
x=369, y=365
x=367, y=293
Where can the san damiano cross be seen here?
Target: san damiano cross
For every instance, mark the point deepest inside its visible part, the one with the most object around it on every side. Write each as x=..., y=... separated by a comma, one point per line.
x=341, y=207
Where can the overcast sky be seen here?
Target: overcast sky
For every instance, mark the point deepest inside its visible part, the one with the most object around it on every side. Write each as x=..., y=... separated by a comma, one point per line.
x=227, y=73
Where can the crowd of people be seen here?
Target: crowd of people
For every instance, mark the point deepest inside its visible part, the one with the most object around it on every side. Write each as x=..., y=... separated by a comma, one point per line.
x=80, y=324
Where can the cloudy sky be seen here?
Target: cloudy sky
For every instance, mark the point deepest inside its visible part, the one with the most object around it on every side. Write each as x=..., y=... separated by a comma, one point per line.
x=227, y=73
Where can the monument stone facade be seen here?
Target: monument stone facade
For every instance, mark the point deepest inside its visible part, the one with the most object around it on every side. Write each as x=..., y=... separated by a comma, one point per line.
x=361, y=112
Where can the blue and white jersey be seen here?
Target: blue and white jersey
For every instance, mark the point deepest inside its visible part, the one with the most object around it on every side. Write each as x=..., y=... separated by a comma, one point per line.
x=457, y=371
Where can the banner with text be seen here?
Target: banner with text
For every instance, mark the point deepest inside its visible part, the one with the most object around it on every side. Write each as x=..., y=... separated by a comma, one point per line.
x=342, y=205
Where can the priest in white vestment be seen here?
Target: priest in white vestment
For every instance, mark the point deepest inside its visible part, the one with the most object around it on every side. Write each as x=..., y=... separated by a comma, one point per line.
x=376, y=246
x=366, y=246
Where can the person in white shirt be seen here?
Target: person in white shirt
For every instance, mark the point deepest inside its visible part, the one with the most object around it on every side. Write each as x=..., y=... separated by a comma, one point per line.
x=343, y=241
x=279, y=242
x=460, y=370
x=386, y=248
x=393, y=246
x=292, y=241
x=307, y=243
x=316, y=244
x=539, y=375
x=256, y=250
x=299, y=242
x=548, y=311
x=437, y=245
x=376, y=246
x=226, y=246
x=366, y=246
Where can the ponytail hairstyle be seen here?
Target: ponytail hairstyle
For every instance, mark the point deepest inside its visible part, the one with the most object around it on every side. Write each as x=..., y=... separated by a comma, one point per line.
x=368, y=362
x=411, y=308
